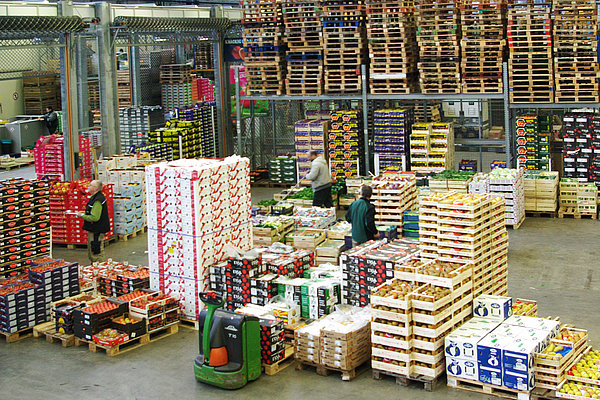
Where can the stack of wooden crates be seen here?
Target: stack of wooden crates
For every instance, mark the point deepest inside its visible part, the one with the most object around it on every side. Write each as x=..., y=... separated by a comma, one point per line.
x=541, y=191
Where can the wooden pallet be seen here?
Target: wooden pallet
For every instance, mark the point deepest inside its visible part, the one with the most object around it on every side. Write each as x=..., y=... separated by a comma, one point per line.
x=17, y=336
x=115, y=350
x=541, y=214
x=189, y=323
x=288, y=359
x=346, y=375
x=7, y=166
x=429, y=384
x=163, y=332
x=517, y=226
x=48, y=330
x=490, y=390
x=570, y=211
x=124, y=238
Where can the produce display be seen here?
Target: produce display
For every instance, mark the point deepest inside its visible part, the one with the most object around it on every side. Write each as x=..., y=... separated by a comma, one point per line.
x=310, y=135
x=451, y=180
x=533, y=142
x=120, y=281
x=191, y=132
x=578, y=198
x=541, y=191
x=505, y=183
x=283, y=169
x=136, y=122
x=391, y=138
x=346, y=144
x=393, y=193
x=370, y=264
x=437, y=297
x=73, y=197
x=339, y=340
x=272, y=229
x=254, y=281
x=467, y=229
x=195, y=209
x=24, y=224
x=432, y=147
x=314, y=217
x=581, y=137
x=25, y=299
x=110, y=337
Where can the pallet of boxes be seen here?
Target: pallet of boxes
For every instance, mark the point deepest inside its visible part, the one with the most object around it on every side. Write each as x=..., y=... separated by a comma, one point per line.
x=272, y=229
x=497, y=354
x=412, y=315
x=129, y=188
x=338, y=342
x=393, y=193
x=329, y=251
x=578, y=199
x=541, y=192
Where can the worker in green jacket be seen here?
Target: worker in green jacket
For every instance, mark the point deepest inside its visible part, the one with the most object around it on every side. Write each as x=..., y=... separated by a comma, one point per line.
x=96, y=221
x=361, y=215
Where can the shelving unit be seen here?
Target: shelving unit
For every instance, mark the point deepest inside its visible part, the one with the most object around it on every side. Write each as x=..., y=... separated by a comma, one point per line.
x=366, y=99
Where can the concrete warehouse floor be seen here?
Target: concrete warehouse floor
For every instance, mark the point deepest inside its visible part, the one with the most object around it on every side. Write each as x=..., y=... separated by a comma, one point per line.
x=550, y=260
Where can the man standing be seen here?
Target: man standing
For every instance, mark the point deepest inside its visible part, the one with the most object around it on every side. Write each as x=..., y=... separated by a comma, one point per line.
x=361, y=215
x=96, y=221
x=321, y=180
x=50, y=120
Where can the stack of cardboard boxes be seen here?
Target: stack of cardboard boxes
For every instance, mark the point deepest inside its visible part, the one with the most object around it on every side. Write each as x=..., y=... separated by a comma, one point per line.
x=497, y=349
x=128, y=183
x=195, y=209
x=310, y=135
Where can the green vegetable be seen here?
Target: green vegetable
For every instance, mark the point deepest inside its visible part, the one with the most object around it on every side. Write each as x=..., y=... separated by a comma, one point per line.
x=266, y=203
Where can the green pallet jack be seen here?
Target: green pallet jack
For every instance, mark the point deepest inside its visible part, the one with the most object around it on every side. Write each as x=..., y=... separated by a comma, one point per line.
x=229, y=346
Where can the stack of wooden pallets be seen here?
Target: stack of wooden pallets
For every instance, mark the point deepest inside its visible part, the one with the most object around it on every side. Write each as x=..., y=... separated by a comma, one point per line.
x=40, y=92
x=439, y=45
x=530, y=51
x=391, y=31
x=263, y=47
x=303, y=27
x=482, y=46
x=343, y=44
x=576, y=70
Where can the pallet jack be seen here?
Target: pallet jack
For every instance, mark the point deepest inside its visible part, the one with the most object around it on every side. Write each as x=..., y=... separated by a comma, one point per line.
x=229, y=346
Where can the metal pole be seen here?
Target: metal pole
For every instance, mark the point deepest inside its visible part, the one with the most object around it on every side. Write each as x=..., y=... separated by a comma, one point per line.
x=507, y=125
x=109, y=107
x=135, y=72
x=82, y=82
x=238, y=111
x=365, y=106
x=273, y=122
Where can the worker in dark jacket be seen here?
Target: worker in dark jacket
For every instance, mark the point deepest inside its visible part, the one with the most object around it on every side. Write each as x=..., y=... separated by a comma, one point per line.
x=50, y=120
x=361, y=215
x=96, y=221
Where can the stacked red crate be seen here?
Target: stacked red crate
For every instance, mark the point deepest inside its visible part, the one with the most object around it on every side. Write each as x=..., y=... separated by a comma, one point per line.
x=49, y=162
x=87, y=160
